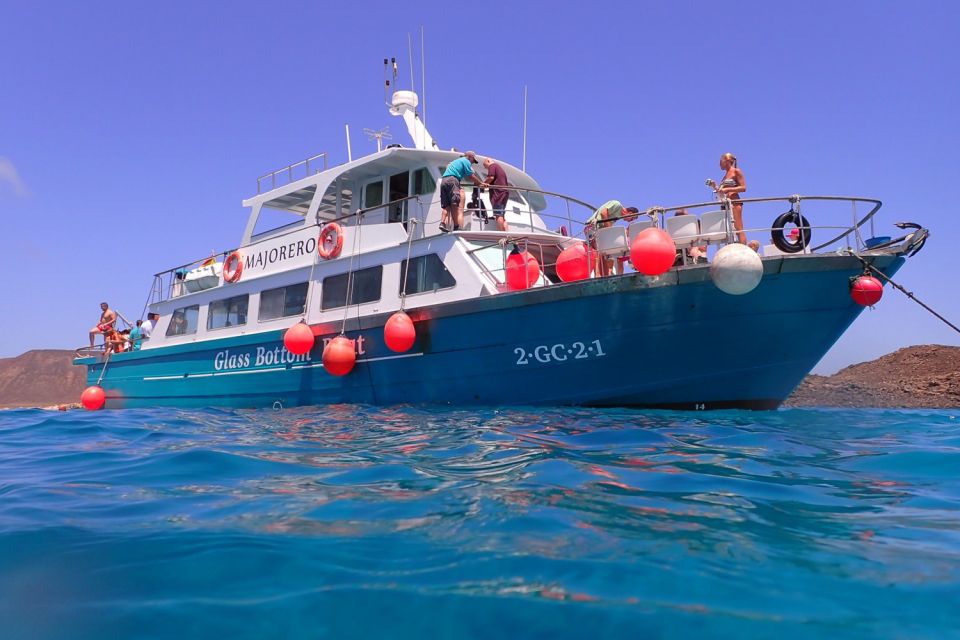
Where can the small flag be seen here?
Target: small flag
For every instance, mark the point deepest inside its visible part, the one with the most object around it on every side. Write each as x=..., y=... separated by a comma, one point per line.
x=209, y=261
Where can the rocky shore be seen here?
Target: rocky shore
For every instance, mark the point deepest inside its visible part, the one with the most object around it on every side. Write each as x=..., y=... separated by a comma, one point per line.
x=919, y=377
x=923, y=376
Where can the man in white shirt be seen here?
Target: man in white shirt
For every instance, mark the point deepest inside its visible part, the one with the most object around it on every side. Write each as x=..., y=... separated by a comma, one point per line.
x=147, y=327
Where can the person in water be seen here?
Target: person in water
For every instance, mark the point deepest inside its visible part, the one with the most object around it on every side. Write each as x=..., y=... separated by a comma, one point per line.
x=108, y=321
x=451, y=195
x=731, y=186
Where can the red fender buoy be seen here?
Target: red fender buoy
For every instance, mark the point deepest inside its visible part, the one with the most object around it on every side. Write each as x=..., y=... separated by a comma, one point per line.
x=339, y=356
x=653, y=252
x=399, y=332
x=298, y=339
x=866, y=291
x=573, y=263
x=93, y=398
x=522, y=269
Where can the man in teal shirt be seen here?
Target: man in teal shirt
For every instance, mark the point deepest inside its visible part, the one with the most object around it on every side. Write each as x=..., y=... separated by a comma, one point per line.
x=451, y=195
x=136, y=336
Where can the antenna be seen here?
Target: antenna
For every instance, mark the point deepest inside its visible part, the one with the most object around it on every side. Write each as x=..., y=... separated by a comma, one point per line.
x=524, y=166
x=423, y=78
x=381, y=135
x=349, y=153
x=393, y=61
x=413, y=83
x=386, y=83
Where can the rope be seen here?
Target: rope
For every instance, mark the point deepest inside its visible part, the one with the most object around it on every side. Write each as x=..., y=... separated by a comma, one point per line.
x=869, y=267
x=353, y=254
x=310, y=285
x=104, y=369
x=406, y=270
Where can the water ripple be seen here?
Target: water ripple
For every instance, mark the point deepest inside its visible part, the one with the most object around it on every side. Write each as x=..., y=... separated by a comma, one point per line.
x=348, y=521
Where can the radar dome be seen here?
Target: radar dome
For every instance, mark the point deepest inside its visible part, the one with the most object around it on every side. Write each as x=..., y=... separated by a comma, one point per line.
x=405, y=98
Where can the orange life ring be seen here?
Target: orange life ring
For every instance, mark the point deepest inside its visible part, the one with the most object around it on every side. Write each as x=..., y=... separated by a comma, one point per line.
x=331, y=241
x=232, y=267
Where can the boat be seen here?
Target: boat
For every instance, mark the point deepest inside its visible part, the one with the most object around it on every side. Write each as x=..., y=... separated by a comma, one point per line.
x=342, y=249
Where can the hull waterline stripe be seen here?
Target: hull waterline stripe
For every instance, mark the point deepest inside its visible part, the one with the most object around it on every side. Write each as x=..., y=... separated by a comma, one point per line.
x=270, y=369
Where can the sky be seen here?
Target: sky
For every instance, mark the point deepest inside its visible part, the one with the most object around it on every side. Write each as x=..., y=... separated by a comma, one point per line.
x=130, y=132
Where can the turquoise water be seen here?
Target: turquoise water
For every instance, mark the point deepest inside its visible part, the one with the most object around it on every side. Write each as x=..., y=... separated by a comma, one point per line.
x=420, y=523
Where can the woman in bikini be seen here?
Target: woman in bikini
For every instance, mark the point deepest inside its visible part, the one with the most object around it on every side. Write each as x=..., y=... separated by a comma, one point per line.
x=732, y=185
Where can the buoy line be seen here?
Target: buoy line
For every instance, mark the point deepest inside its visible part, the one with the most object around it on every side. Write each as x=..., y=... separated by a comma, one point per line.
x=902, y=290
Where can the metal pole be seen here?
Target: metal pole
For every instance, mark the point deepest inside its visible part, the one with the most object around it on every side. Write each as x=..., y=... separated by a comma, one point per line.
x=524, y=166
x=423, y=77
x=413, y=86
x=349, y=153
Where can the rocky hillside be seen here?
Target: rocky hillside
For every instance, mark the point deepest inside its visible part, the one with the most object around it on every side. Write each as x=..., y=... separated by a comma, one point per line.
x=40, y=378
x=923, y=376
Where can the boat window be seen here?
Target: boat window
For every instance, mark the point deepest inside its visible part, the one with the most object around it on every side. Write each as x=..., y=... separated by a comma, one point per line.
x=283, y=302
x=373, y=194
x=287, y=210
x=231, y=312
x=184, y=321
x=399, y=186
x=423, y=182
x=366, y=288
x=426, y=273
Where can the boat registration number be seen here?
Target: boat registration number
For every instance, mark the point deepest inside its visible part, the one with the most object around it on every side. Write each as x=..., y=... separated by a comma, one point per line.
x=560, y=352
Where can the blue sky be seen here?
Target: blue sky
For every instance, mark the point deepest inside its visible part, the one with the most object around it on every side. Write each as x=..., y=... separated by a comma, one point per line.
x=129, y=133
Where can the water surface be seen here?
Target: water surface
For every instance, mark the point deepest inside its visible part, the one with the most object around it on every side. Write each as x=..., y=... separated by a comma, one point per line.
x=412, y=522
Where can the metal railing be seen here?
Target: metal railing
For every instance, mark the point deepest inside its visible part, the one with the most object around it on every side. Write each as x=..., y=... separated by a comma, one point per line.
x=164, y=282
x=843, y=231
x=289, y=170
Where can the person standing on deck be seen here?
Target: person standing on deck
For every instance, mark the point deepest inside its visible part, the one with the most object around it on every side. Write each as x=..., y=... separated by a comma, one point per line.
x=451, y=195
x=497, y=177
x=108, y=322
x=147, y=327
x=731, y=186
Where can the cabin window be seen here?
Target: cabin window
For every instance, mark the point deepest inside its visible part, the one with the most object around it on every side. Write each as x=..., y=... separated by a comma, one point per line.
x=231, y=312
x=184, y=321
x=283, y=302
x=426, y=273
x=423, y=182
x=366, y=284
x=373, y=194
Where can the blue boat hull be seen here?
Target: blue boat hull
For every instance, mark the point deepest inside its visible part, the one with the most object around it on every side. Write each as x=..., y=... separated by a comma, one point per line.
x=673, y=342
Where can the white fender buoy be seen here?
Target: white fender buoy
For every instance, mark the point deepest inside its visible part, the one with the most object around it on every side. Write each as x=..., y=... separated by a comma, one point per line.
x=736, y=269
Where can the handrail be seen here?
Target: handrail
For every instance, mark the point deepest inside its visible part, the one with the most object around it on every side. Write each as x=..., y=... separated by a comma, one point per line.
x=289, y=171
x=422, y=199
x=546, y=193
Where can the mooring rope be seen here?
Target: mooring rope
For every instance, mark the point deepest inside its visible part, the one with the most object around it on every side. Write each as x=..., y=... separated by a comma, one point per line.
x=909, y=294
x=103, y=370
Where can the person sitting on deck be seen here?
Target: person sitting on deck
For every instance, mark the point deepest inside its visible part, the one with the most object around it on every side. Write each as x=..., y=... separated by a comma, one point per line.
x=116, y=341
x=698, y=255
x=108, y=320
x=606, y=216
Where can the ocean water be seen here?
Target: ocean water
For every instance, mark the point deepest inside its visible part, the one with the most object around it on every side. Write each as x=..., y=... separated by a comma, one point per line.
x=411, y=522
